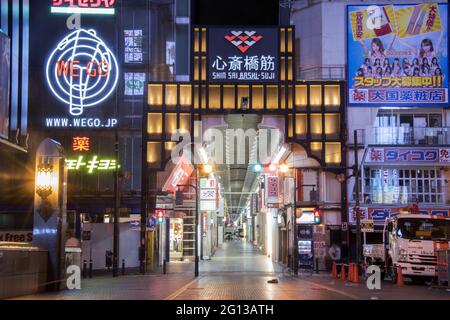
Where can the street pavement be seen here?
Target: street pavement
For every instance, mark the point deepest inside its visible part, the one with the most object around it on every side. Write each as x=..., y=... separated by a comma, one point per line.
x=238, y=271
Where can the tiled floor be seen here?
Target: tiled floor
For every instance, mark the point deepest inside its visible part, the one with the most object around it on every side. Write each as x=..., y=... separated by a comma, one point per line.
x=238, y=271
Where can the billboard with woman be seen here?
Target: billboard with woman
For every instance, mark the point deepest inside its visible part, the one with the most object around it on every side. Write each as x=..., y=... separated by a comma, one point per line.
x=398, y=55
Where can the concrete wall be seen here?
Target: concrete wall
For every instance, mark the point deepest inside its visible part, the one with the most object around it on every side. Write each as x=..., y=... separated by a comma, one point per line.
x=23, y=271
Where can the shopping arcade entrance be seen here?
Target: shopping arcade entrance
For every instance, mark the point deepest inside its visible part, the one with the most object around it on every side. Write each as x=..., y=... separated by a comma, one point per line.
x=313, y=112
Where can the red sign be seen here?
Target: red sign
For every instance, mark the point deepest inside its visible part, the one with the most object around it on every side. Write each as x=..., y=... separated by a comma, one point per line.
x=81, y=144
x=180, y=175
x=84, y=3
x=204, y=222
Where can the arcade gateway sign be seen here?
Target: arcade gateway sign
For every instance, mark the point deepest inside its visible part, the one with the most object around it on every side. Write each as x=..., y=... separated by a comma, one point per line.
x=243, y=55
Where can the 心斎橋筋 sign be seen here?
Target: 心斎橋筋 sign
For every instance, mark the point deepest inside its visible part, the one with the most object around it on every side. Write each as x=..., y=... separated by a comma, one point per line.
x=243, y=54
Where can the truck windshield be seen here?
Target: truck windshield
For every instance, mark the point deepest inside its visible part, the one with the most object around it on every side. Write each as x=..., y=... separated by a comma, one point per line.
x=424, y=229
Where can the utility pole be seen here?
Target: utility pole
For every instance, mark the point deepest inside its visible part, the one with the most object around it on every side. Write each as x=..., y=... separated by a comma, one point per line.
x=356, y=209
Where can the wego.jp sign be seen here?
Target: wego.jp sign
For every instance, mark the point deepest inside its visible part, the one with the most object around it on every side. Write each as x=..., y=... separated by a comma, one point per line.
x=82, y=71
x=243, y=55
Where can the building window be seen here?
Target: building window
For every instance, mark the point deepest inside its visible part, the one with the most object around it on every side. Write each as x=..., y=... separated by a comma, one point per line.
x=404, y=186
x=410, y=129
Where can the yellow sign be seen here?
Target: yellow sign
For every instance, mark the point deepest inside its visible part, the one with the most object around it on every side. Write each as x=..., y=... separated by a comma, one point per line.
x=375, y=21
x=419, y=19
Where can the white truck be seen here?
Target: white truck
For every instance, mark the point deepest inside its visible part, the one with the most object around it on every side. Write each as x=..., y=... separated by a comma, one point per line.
x=410, y=241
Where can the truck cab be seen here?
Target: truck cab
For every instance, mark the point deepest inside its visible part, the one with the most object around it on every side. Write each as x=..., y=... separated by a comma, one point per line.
x=412, y=241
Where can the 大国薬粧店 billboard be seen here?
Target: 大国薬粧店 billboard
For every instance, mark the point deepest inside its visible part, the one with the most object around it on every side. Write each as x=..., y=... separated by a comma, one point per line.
x=398, y=55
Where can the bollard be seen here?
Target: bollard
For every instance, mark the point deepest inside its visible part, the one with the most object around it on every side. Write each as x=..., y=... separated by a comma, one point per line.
x=351, y=271
x=123, y=267
x=356, y=273
x=400, y=281
x=317, y=265
x=164, y=266
x=90, y=268
x=84, y=268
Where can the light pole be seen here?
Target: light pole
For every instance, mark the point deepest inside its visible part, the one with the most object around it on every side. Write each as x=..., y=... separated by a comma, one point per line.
x=356, y=210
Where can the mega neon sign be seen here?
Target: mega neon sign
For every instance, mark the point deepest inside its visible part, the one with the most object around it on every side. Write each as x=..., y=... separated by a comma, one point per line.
x=104, y=7
x=82, y=71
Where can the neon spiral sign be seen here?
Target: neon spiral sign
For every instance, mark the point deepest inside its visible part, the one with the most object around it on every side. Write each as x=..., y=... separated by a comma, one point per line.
x=82, y=72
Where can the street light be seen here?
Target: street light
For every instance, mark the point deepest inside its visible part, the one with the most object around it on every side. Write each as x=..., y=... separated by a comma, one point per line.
x=284, y=168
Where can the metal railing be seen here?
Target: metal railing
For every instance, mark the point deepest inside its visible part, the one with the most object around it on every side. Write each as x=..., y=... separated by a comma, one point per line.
x=321, y=72
x=408, y=136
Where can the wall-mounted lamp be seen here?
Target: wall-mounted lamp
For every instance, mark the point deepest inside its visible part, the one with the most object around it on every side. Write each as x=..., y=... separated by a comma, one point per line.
x=44, y=180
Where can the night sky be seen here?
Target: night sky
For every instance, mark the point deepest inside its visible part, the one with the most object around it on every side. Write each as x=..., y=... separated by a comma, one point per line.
x=235, y=12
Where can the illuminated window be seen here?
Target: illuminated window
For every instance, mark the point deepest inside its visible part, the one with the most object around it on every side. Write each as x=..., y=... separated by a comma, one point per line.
x=204, y=68
x=316, y=124
x=315, y=94
x=196, y=40
x=171, y=123
x=290, y=126
x=283, y=39
x=196, y=97
x=272, y=97
x=154, y=123
x=290, y=98
x=214, y=97
x=333, y=152
x=243, y=92
x=301, y=96
x=171, y=95
x=258, y=97
x=203, y=39
x=185, y=122
x=196, y=69
x=169, y=146
x=290, y=69
x=283, y=69
x=290, y=40
x=332, y=124
x=185, y=95
x=154, y=153
x=301, y=124
x=332, y=95
x=316, y=146
x=155, y=95
x=228, y=97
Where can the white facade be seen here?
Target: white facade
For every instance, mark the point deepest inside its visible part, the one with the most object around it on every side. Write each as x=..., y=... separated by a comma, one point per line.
x=321, y=32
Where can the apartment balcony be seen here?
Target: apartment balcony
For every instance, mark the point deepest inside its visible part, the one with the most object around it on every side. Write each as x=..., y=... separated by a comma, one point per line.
x=407, y=136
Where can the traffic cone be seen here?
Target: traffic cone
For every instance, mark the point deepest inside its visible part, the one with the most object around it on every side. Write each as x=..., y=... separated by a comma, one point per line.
x=334, y=272
x=350, y=272
x=343, y=276
x=355, y=277
x=400, y=281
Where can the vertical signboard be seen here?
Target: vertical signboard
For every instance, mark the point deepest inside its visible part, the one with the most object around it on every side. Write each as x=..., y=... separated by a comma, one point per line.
x=5, y=65
x=398, y=55
x=243, y=54
x=273, y=191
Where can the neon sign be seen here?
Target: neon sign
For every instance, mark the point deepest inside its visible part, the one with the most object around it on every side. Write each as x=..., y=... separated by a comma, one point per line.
x=82, y=71
x=104, y=7
x=81, y=144
x=91, y=165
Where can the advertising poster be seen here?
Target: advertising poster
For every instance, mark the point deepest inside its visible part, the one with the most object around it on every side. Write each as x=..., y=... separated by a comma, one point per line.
x=5, y=65
x=398, y=55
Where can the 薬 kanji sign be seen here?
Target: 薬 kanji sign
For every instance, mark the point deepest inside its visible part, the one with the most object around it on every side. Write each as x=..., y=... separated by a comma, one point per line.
x=247, y=54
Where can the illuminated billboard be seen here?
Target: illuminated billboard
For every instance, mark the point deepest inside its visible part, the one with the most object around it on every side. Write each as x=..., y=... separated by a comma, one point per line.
x=100, y=7
x=398, y=55
x=82, y=73
x=247, y=55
